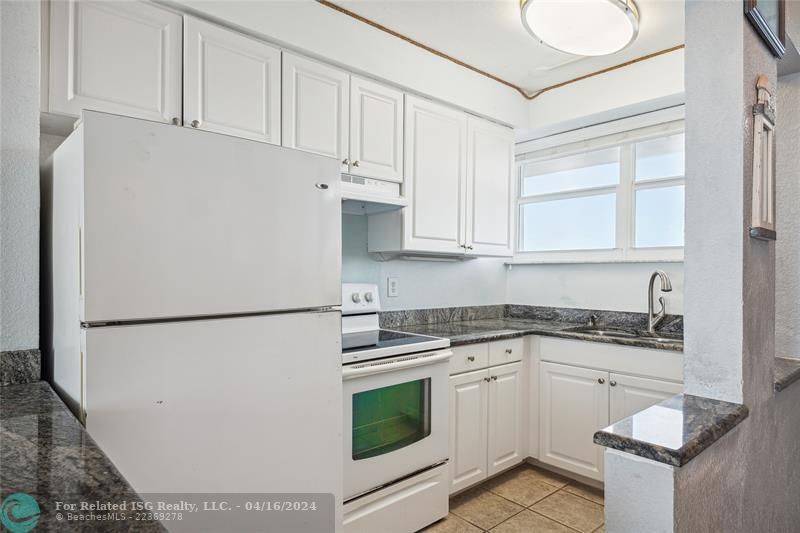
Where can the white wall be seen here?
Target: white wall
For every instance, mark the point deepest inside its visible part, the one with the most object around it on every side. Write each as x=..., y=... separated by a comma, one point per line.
x=787, y=310
x=616, y=287
x=609, y=286
x=19, y=175
x=422, y=284
x=652, y=84
x=316, y=30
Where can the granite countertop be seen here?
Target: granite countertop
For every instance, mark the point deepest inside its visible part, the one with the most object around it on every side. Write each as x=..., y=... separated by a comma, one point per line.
x=787, y=371
x=46, y=453
x=490, y=329
x=674, y=431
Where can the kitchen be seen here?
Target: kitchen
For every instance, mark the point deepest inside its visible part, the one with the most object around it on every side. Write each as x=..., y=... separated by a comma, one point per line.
x=444, y=291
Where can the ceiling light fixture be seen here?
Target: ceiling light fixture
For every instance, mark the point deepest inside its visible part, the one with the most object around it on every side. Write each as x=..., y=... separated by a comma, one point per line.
x=582, y=27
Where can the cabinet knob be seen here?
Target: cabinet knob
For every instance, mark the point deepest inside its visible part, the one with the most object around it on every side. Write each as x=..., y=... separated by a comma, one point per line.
x=345, y=161
x=494, y=378
x=195, y=123
x=355, y=163
x=468, y=247
x=470, y=358
x=612, y=383
x=509, y=351
x=486, y=380
x=601, y=381
x=176, y=121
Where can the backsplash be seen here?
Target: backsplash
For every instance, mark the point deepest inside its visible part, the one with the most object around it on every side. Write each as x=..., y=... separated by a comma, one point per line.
x=619, y=319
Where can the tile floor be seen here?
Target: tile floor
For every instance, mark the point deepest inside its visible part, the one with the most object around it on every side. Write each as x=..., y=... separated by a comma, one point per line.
x=525, y=499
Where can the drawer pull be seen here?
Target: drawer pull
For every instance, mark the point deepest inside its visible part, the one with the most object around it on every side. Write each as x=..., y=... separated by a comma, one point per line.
x=486, y=380
x=471, y=358
x=601, y=381
x=494, y=378
x=612, y=383
x=509, y=351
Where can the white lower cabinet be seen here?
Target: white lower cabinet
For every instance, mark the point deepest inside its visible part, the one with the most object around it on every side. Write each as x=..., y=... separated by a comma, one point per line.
x=573, y=405
x=575, y=402
x=486, y=423
x=505, y=420
x=630, y=394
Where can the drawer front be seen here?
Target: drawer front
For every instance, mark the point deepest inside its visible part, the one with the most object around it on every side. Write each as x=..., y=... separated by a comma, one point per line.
x=506, y=351
x=469, y=357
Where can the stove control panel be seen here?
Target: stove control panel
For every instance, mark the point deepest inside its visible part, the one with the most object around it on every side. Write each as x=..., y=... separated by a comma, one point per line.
x=360, y=298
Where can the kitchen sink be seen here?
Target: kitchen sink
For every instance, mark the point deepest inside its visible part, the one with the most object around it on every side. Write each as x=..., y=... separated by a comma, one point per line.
x=604, y=332
x=625, y=334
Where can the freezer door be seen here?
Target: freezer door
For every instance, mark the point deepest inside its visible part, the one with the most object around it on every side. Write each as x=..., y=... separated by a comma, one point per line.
x=229, y=405
x=180, y=222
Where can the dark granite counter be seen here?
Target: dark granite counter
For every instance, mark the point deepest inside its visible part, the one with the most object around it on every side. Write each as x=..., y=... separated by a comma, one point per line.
x=46, y=453
x=787, y=371
x=490, y=329
x=20, y=366
x=674, y=431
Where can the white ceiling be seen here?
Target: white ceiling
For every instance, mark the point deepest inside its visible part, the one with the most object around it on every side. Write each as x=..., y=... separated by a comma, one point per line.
x=488, y=34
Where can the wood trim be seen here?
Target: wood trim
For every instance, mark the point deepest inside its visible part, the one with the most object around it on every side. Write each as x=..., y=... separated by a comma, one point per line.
x=520, y=90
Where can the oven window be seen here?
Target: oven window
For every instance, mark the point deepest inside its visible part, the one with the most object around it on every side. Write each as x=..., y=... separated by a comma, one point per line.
x=390, y=418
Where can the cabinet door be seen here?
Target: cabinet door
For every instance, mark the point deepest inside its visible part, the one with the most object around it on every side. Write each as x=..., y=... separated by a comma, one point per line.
x=316, y=108
x=468, y=414
x=505, y=417
x=376, y=130
x=489, y=169
x=573, y=406
x=630, y=394
x=435, y=182
x=231, y=83
x=119, y=57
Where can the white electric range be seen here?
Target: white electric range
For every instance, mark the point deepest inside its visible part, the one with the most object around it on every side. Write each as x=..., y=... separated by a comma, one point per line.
x=396, y=420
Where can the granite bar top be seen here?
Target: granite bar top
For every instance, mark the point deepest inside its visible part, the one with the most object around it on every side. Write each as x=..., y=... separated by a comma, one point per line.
x=491, y=329
x=674, y=431
x=787, y=371
x=46, y=453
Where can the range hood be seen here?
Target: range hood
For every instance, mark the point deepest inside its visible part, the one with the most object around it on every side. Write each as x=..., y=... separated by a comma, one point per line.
x=366, y=196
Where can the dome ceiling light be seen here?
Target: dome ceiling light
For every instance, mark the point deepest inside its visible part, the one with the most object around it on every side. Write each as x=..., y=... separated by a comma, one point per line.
x=582, y=27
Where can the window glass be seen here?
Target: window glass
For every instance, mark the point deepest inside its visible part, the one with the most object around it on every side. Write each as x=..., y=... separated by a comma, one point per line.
x=582, y=223
x=390, y=418
x=659, y=217
x=599, y=168
x=660, y=158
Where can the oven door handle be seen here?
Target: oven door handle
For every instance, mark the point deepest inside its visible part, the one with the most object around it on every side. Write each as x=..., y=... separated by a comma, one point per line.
x=397, y=363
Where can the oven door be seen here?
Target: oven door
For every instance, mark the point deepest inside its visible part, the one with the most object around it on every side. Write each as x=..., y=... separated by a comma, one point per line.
x=395, y=419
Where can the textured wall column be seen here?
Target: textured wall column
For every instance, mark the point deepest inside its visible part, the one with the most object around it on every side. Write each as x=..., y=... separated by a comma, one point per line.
x=19, y=175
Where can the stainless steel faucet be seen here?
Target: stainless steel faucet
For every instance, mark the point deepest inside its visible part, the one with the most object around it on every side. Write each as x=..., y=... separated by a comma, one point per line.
x=653, y=318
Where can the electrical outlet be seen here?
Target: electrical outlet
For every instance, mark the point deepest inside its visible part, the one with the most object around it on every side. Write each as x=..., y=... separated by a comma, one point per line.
x=392, y=287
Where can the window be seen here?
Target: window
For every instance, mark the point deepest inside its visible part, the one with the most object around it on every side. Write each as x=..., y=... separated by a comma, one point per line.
x=614, y=198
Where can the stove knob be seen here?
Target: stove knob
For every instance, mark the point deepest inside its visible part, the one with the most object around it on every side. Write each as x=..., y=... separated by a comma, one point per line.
x=356, y=297
x=368, y=296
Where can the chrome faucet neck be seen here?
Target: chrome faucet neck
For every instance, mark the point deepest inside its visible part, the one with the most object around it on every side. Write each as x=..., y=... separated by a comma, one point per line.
x=654, y=318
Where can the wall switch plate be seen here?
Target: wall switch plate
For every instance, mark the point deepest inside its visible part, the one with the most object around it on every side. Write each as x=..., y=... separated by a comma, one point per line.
x=392, y=287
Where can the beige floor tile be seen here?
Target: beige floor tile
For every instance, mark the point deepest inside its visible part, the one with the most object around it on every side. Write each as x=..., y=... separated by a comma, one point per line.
x=572, y=511
x=585, y=491
x=452, y=524
x=551, y=478
x=521, y=485
x=530, y=522
x=483, y=508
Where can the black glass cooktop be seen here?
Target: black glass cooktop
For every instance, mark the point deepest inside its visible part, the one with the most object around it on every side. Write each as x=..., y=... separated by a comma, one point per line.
x=376, y=339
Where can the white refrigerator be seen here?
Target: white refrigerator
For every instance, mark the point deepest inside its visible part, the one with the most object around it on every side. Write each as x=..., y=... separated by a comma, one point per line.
x=192, y=306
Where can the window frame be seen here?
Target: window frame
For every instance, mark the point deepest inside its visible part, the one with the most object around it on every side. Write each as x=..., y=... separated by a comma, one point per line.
x=624, y=250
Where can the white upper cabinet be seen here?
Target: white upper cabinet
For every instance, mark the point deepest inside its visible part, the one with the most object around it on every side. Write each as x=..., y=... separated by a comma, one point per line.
x=435, y=154
x=232, y=83
x=376, y=130
x=119, y=57
x=489, y=172
x=316, y=108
